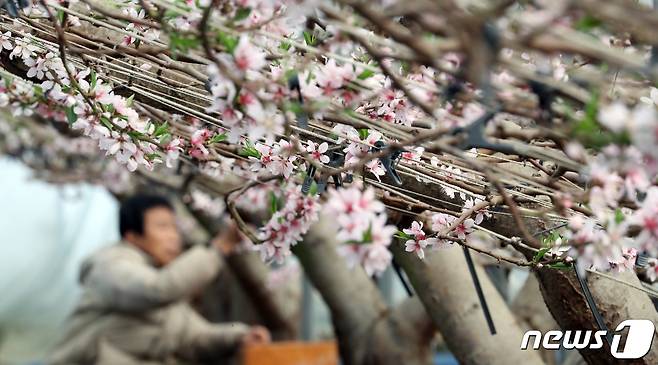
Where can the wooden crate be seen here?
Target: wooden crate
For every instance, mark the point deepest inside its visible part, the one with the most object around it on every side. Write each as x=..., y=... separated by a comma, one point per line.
x=291, y=353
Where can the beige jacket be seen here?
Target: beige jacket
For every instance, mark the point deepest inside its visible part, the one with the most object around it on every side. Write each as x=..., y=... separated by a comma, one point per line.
x=131, y=312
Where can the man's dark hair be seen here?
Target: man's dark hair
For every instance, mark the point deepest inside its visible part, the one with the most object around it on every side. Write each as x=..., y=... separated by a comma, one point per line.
x=131, y=214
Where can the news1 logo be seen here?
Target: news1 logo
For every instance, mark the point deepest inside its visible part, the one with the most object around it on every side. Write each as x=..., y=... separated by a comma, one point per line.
x=638, y=341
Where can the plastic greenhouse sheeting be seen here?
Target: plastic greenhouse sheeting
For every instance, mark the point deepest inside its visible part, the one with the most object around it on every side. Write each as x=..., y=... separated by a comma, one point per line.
x=45, y=232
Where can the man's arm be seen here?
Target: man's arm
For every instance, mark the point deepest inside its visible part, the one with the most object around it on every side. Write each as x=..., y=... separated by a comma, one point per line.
x=129, y=285
x=203, y=340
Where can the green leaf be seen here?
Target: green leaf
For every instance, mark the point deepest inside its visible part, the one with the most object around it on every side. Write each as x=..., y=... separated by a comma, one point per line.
x=106, y=123
x=217, y=138
x=310, y=77
x=129, y=101
x=179, y=43
x=363, y=133
x=94, y=79
x=309, y=38
x=108, y=108
x=290, y=74
x=351, y=113
x=367, y=235
x=294, y=106
x=60, y=16
x=165, y=138
x=588, y=130
x=592, y=107
x=71, y=117
x=241, y=14
x=406, y=66
x=152, y=156
x=38, y=91
x=252, y=153
x=249, y=151
x=587, y=23
x=161, y=129
x=550, y=238
x=8, y=81
x=365, y=74
x=540, y=254
x=285, y=45
x=229, y=42
x=170, y=14
x=314, y=189
x=135, y=135
x=561, y=266
x=403, y=235
x=619, y=216
x=275, y=203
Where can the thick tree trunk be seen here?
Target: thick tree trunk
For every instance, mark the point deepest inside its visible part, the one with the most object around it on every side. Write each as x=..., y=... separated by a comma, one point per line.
x=615, y=301
x=273, y=309
x=530, y=309
x=405, y=332
x=241, y=294
x=443, y=284
x=278, y=310
x=367, y=331
x=562, y=293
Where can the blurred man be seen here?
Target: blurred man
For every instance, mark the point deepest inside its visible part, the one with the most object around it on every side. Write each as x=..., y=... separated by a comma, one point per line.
x=133, y=308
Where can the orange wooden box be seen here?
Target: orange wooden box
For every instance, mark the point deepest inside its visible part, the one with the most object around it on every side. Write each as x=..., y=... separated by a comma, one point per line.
x=291, y=353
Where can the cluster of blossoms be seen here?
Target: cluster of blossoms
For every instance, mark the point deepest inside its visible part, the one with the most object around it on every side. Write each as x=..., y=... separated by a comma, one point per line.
x=418, y=240
x=639, y=123
x=214, y=207
x=198, y=141
x=392, y=105
x=287, y=224
x=361, y=222
x=149, y=34
x=253, y=111
x=622, y=196
x=358, y=147
x=480, y=214
x=597, y=247
x=244, y=12
x=256, y=199
x=187, y=14
x=249, y=111
x=452, y=174
x=52, y=161
x=190, y=20
x=359, y=144
x=333, y=82
x=173, y=150
x=278, y=160
x=652, y=270
x=330, y=80
x=201, y=137
x=86, y=103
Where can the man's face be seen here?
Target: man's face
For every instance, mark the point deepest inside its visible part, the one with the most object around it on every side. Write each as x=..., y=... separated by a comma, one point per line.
x=161, y=238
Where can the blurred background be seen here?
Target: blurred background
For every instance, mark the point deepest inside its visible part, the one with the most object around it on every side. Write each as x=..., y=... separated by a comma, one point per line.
x=46, y=230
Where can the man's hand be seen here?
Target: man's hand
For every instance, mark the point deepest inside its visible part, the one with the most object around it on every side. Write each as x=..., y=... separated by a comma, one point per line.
x=228, y=238
x=256, y=335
